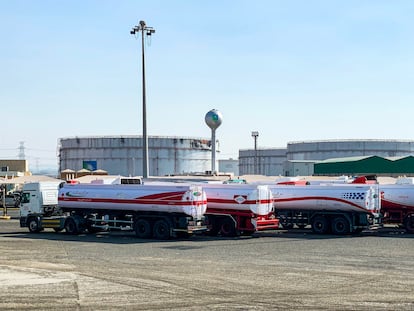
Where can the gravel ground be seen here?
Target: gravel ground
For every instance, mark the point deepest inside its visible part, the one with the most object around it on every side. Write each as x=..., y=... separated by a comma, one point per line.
x=274, y=270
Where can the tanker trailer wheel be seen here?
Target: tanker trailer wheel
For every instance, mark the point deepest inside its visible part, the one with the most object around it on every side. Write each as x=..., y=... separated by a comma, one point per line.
x=161, y=230
x=409, y=223
x=33, y=225
x=143, y=229
x=340, y=225
x=70, y=226
x=213, y=225
x=228, y=227
x=320, y=225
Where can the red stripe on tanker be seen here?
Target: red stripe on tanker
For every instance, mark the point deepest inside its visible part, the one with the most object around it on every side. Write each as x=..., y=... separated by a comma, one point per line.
x=241, y=197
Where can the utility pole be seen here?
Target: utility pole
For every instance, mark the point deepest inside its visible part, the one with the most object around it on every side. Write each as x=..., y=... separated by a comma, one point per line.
x=145, y=31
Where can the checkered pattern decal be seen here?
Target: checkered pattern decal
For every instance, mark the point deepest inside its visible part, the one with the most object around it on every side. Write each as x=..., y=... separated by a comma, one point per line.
x=353, y=195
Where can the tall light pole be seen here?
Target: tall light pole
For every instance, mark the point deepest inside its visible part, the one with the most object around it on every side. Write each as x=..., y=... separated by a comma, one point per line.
x=255, y=134
x=145, y=31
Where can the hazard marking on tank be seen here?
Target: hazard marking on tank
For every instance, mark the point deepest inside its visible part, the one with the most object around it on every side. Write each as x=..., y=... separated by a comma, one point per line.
x=354, y=195
x=240, y=198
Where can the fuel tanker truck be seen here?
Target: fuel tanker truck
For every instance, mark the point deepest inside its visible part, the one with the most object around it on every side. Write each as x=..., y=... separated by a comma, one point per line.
x=152, y=211
x=234, y=209
x=397, y=205
x=336, y=209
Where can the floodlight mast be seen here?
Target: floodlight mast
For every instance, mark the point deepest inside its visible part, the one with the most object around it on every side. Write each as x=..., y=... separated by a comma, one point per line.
x=148, y=31
x=255, y=134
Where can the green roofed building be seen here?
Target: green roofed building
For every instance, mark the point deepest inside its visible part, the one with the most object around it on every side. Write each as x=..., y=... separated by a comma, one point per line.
x=366, y=165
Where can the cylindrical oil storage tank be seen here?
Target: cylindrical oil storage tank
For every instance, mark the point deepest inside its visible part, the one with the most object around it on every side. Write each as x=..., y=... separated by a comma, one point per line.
x=329, y=149
x=123, y=154
x=269, y=162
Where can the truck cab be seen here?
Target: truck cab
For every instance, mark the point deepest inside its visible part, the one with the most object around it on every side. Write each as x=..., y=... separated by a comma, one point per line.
x=38, y=199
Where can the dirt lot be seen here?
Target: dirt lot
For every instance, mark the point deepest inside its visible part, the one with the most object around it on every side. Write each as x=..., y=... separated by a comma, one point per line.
x=271, y=271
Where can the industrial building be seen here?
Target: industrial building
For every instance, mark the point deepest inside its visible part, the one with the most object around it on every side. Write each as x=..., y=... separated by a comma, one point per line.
x=14, y=168
x=268, y=162
x=123, y=154
x=299, y=157
x=366, y=165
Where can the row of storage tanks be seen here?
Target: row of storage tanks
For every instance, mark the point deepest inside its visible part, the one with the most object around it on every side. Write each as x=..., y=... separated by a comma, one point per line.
x=188, y=155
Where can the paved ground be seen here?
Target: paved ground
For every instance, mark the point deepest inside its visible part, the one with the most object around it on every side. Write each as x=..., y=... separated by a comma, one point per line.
x=271, y=271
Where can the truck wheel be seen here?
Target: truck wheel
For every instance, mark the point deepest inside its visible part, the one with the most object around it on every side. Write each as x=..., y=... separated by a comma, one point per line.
x=212, y=225
x=409, y=223
x=70, y=226
x=320, y=225
x=161, y=230
x=213, y=231
x=142, y=229
x=33, y=225
x=227, y=227
x=340, y=225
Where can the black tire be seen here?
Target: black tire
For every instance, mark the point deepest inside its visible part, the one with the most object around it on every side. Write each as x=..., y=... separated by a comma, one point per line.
x=143, y=229
x=320, y=225
x=214, y=230
x=213, y=225
x=409, y=223
x=71, y=227
x=33, y=225
x=161, y=230
x=340, y=226
x=228, y=227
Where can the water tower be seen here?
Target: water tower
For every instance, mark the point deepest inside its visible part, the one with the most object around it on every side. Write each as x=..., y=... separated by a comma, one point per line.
x=213, y=119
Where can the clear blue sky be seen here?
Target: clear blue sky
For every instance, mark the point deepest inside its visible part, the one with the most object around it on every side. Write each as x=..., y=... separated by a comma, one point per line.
x=292, y=70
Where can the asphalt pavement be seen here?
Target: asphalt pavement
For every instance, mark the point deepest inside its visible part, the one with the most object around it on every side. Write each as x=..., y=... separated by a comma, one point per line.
x=273, y=270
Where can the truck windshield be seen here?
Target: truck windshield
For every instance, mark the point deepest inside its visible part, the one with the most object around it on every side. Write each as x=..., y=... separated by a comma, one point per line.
x=25, y=197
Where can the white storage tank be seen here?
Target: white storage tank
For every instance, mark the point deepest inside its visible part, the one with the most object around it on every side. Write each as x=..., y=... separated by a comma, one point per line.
x=123, y=154
x=329, y=149
x=298, y=157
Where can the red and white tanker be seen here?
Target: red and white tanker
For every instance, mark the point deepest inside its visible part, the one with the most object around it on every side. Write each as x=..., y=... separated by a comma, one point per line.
x=397, y=205
x=233, y=209
x=151, y=211
x=339, y=209
x=180, y=199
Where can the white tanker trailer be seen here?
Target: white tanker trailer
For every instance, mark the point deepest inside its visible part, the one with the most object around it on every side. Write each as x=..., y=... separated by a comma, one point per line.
x=397, y=205
x=233, y=209
x=151, y=211
x=340, y=209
